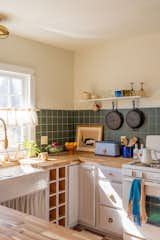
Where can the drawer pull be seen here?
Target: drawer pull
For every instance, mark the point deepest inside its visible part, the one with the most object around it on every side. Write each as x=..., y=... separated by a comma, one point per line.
x=110, y=220
x=112, y=198
x=110, y=174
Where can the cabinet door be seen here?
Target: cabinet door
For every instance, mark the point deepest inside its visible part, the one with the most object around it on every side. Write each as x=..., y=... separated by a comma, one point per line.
x=109, y=193
x=73, y=195
x=87, y=194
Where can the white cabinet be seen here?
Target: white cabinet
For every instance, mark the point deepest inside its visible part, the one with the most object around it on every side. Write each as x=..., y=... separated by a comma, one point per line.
x=109, y=219
x=109, y=193
x=109, y=200
x=87, y=194
x=95, y=197
x=73, y=195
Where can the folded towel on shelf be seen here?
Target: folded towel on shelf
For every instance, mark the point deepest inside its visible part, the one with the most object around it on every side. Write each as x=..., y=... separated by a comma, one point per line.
x=136, y=206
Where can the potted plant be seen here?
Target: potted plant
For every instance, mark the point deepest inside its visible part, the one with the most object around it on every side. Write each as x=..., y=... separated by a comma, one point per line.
x=31, y=147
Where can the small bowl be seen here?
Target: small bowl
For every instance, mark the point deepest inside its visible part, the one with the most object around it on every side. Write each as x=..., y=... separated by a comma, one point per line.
x=71, y=147
x=86, y=95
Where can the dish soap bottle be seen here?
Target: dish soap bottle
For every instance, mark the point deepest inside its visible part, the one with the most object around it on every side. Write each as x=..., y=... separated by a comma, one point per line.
x=135, y=152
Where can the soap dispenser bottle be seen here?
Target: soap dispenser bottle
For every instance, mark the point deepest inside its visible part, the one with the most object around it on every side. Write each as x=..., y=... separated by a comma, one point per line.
x=135, y=152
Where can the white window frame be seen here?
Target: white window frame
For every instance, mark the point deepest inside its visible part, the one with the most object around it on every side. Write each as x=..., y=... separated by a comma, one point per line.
x=18, y=69
x=24, y=70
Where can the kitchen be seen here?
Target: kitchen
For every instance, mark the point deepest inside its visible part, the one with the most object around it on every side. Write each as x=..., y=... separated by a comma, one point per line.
x=66, y=65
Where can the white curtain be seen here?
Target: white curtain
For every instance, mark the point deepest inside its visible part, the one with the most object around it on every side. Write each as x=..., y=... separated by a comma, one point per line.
x=19, y=117
x=33, y=204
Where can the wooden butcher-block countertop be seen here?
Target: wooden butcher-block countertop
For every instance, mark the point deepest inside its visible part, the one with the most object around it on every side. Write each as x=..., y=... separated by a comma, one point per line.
x=9, y=164
x=66, y=158
x=15, y=225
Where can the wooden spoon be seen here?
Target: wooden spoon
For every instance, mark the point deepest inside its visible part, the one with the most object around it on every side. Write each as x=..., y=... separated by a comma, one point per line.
x=132, y=141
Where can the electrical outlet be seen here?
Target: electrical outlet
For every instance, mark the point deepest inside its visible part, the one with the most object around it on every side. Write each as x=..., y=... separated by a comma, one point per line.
x=44, y=140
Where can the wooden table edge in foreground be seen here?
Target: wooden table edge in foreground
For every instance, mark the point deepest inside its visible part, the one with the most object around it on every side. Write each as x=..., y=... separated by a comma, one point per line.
x=15, y=225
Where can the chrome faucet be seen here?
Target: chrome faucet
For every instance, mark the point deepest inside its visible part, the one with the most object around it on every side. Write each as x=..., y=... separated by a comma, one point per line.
x=5, y=134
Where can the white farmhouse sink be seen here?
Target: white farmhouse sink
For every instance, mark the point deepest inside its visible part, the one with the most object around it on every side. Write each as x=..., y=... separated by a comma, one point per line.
x=21, y=180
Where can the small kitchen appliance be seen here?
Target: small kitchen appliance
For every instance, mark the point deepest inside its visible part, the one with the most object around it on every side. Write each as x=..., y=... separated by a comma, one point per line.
x=153, y=146
x=107, y=148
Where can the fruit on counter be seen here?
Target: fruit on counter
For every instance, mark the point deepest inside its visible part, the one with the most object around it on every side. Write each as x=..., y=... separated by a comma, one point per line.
x=55, y=144
x=71, y=146
x=54, y=148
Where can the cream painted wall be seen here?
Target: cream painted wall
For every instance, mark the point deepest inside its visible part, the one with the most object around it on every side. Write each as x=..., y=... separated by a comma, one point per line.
x=53, y=68
x=115, y=64
x=100, y=69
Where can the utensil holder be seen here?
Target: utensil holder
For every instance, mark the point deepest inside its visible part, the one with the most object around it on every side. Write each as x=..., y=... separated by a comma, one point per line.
x=127, y=152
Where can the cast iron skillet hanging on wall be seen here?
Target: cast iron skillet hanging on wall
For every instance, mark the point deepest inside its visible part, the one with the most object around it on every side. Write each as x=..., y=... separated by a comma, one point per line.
x=135, y=117
x=114, y=119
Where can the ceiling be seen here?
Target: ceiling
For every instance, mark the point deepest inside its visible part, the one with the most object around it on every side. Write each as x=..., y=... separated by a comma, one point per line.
x=76, y=23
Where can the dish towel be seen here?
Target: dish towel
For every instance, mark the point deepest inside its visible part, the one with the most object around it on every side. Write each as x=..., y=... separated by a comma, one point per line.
x=136, y=206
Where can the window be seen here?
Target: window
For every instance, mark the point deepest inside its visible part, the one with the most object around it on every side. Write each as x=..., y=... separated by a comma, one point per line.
x=16, y=100
x=14, y=89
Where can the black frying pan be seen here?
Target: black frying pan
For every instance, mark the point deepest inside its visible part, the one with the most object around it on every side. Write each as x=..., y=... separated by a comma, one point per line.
x=114, y=119
x=135, y=117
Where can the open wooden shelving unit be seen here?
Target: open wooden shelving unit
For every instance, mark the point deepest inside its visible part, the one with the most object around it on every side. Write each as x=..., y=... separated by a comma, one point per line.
x=58, y=195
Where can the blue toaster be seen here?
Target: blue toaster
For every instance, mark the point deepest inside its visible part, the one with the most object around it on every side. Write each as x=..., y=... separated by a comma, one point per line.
x=107, y=148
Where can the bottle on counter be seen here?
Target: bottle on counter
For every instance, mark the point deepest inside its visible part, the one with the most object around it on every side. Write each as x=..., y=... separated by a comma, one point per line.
x=141, y=151
x=135, y=152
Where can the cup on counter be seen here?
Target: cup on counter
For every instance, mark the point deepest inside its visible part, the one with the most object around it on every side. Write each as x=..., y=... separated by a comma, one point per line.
x=43, y=156
x=127, y=152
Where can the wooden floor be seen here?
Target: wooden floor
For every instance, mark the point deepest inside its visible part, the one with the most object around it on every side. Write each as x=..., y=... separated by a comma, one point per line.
x=86, y=234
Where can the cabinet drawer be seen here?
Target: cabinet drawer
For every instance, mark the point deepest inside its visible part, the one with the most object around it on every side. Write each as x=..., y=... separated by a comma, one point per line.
x=110, y=193
x=110, y=220
x=114, y=174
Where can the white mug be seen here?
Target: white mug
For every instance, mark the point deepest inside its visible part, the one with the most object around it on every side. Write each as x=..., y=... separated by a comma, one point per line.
x=43, y=156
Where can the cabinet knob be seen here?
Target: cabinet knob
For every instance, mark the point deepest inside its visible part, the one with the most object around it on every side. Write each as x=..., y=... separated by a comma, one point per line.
x=110, y=220
x=112, y=198
x=110, y=174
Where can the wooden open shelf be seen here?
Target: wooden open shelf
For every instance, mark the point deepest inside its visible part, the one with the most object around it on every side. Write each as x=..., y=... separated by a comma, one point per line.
x=62, y=198
x=52, y=215
x=52, y=201
x=53, y=175
x=61, y=211
x=57, y=195
x=62, y=172
x=61, y=222
x=62, y=185
x=52, y=188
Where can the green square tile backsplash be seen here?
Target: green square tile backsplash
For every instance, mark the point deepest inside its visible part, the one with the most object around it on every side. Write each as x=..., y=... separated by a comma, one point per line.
x=60, y=125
